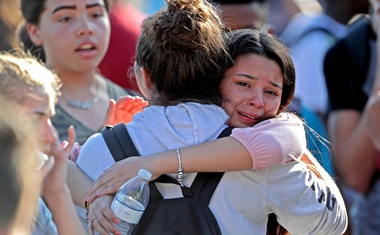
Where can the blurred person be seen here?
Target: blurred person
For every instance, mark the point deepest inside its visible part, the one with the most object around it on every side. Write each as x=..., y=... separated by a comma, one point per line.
x=283, y=13
x=125, y=21
x=20, y=180
x=309, y=37
x=9, y=19
x=242, y=14
x=352, y=72
x=32, y=88
x=74, y=36
x=280, y=14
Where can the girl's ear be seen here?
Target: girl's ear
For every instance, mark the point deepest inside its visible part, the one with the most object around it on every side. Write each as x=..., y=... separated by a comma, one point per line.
x=34, y=34
x=146, y=79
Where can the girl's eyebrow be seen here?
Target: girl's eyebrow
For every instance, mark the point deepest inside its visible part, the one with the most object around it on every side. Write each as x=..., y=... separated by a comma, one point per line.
x=66, y=7
x=255, y=78
x=73, y=7
x=276, y=85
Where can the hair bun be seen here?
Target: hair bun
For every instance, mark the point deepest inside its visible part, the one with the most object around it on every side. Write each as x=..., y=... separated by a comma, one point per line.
x=183, y=25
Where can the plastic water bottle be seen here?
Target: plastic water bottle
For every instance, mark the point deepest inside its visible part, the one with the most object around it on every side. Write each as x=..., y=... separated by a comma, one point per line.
x=130, y=201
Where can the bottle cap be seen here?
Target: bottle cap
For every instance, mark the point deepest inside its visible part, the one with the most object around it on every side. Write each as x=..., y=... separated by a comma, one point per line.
x=144, y=174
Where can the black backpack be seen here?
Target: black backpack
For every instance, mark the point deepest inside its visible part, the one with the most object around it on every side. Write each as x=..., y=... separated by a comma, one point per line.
x=189, y=215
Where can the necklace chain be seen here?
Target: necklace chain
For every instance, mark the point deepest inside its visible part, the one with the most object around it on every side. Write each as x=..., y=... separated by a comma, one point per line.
x=85, y=105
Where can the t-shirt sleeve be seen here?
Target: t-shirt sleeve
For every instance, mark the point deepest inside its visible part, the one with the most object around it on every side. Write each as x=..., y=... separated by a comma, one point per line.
x=94, y=157
x=304, y=203
x=274, y=141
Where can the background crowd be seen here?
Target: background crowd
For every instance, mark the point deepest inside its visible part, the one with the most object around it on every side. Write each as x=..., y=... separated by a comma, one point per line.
x=332, y=43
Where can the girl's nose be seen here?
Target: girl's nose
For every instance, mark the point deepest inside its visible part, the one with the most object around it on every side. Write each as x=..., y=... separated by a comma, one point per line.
x=256, y=100
x=50, y=134
x=85, y=28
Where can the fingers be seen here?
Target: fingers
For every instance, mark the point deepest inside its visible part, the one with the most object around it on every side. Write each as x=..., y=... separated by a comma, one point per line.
x=46, y=168
x=137, y=108
x=102, y=179
x=110, y=113
x=98, y=228
x=72, y=135
x=62, y=152
x=106, y=185
x=106, y=189
x=126, y=102
x=90, y=229
x=68, y=145
x=101, y=216
x=127, y=107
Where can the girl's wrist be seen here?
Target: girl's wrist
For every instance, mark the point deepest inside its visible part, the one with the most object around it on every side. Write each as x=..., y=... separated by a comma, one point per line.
x=57, y=197
x=155, y=166
x=160, y=164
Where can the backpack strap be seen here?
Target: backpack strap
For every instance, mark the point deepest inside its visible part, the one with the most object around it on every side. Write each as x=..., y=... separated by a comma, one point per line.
x=119, y=142
x=205, y=183
x=121, y=146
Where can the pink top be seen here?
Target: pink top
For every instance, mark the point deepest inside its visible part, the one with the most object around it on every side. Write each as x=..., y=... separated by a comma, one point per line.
x=274, y=141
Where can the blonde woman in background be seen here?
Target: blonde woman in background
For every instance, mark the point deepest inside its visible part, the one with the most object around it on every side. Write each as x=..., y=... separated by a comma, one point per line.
x=33, y=91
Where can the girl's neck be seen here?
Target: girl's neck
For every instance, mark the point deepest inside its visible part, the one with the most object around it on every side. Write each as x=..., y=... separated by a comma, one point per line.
x=72, y=80
x=83, y=93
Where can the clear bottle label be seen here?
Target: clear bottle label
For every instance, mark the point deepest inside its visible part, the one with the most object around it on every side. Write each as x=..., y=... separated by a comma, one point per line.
x=130, y=210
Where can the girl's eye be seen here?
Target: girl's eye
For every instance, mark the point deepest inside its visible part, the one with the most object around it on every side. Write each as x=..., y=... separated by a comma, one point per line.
x=96, y=12
x=36, y=119
x=97, y=15
x=272, y=93
x=243, y=84
x=64, y=19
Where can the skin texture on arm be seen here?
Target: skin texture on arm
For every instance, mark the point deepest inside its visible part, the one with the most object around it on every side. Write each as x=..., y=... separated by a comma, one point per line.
x=373, y=106
x=78, y=183
x=372, y=120
x=167, y=162
x=354, y=153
